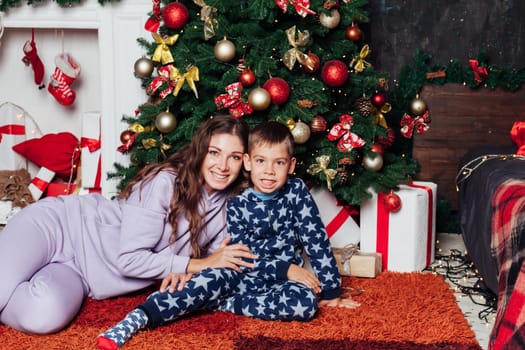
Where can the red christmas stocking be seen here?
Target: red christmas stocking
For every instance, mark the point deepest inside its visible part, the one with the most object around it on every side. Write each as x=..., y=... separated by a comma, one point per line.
x=31, y=58
x=66, y=72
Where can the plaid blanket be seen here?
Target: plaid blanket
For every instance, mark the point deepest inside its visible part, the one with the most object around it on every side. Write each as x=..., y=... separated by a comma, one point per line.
x=508, y=248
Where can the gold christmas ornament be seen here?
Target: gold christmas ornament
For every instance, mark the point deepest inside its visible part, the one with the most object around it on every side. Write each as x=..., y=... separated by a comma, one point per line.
x=165, y=122
x=301, y=132
x=418, y=106
x=259, y=99
x=143, y=67
x=224, y=50
x=330, y=21
x=373, y=162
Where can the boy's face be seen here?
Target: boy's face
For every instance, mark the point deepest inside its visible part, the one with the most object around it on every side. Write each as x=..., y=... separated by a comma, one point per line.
x=269, y=166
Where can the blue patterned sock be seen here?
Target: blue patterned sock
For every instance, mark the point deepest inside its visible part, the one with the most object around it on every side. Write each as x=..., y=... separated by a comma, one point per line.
x=117, y=335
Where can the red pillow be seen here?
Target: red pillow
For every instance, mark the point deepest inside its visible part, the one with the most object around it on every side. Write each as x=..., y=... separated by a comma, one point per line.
x=57, y=152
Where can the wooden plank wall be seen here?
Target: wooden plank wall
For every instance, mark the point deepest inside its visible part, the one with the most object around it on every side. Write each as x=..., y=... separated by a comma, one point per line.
x=462, y=118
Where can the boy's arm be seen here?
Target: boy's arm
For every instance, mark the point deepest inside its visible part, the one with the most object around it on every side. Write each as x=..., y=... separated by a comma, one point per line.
x=314, y=238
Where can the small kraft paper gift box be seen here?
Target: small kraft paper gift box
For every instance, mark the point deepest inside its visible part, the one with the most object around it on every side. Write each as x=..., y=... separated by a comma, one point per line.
x=90, y=154
x=352, y=262
x=404, y=238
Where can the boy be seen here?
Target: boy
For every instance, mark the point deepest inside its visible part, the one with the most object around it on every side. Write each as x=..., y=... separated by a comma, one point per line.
x=277, y=218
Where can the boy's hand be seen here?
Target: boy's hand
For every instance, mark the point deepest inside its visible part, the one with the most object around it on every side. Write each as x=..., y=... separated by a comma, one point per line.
x=347, y=302
x=174, y=281
x=302, y=275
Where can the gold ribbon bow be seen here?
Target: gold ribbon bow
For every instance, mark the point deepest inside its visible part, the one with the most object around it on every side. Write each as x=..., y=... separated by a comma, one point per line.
x=379, y=118
x=149, y=143
x=209, y=17
x=360, y=62
x=294, y=54
x=322, y=167
x=162, y=53
x=191, y=76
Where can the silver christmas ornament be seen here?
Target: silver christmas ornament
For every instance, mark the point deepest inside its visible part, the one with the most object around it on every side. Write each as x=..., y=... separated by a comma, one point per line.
x=165, y=122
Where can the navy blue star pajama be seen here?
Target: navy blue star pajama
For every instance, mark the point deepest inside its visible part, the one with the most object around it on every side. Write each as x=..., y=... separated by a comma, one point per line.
x=278, y=230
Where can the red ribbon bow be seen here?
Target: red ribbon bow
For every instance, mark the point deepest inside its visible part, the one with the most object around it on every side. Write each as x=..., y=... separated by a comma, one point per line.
x=517, y=133
x=153, y=22
x=164, y=77
x=232, y=100
x=478, y=71
x=126, y=146
x=419, y=123
x=347, y=139
x=301, y=6
x=12, y=129
x=91, y=144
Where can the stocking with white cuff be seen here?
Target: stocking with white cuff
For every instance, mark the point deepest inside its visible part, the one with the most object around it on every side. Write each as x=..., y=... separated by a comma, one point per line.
x=66, y=72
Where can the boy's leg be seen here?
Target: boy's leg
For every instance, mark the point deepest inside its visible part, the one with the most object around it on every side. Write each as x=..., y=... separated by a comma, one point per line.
x=286, y=301
x=204, y=291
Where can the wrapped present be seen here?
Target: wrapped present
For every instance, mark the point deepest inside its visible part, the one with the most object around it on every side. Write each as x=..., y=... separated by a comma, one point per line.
x=352, y=262
x=340, y=225
x=405, y=238
x=40, y=182
x=90, y=156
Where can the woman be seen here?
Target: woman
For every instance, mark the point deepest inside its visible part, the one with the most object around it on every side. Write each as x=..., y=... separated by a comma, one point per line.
x=170, y=218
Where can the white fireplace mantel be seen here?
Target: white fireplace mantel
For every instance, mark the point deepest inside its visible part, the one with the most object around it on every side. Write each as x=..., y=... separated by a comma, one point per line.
x=119, y=24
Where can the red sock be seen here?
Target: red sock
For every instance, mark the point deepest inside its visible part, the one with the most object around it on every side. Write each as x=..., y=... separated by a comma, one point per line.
x=31, y=58
x=104, y=343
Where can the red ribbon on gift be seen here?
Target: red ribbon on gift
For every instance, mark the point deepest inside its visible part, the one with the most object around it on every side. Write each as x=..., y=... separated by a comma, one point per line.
x=40, y=183
x=93, y=145
x=12, y=129
x=478, y=71
x=517, y=133
x=339, y=219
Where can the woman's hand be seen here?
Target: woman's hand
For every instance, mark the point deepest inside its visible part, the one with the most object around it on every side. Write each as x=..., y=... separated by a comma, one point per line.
x=229, y=256
x=175, y=281
x=302, y=275
x=340, y=302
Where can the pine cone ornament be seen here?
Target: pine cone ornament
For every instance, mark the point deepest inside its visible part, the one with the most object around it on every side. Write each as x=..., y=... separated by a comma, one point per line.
x=364, y=106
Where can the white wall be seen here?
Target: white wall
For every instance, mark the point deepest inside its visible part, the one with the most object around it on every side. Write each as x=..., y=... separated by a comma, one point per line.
x=103, y=40
x=17, y=83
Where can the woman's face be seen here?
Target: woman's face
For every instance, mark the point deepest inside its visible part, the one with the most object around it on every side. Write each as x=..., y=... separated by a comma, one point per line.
x=222, y=164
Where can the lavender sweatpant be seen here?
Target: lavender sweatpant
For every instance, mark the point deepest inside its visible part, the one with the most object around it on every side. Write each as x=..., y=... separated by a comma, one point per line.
x=40, y=292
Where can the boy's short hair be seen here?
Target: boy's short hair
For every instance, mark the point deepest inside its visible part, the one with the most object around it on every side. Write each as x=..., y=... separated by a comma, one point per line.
x=271, y=132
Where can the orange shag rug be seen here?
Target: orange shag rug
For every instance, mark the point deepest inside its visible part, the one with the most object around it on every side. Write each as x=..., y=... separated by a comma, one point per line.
x=398, y=311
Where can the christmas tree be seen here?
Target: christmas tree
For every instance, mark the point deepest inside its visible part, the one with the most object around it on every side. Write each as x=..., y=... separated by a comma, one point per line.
x=304, y=63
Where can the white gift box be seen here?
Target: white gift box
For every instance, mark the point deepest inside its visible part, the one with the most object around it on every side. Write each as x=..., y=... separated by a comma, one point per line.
x=340, y=226
x=90, y=156
x=16, y=126
x=40, y=182
x=405, y=239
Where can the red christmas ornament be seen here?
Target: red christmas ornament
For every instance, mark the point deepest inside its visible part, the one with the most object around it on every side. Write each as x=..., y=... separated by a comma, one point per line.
x=353, y=33
x=334, y=73
x=318, y=124
x=378, y=99
x=247, y=77
x=126, y=135
x=278, y=89
x=392, y=202
x=312, y=63
x=175, y=15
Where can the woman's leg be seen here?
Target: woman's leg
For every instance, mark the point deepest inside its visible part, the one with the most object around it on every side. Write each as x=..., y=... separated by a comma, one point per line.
x=46, y=303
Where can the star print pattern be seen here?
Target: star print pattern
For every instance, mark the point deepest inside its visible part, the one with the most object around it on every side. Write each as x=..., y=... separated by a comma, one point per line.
x=277, y=230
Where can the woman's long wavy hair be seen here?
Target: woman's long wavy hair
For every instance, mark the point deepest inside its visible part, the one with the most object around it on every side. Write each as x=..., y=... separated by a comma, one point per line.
x=187, y=163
